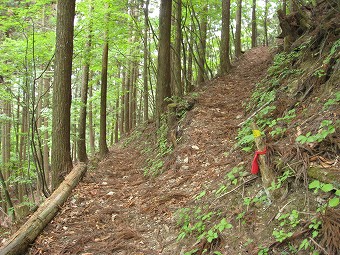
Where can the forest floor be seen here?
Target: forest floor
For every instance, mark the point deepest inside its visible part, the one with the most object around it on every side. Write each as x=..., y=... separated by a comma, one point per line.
x=117, y=210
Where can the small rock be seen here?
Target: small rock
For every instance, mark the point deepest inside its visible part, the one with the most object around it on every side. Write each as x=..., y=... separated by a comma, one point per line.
x=195, y=147
x=113, y=217
x=104, y=183
x=239, y=116
x=185, y=167
x=186, y=160
x=110, y=193
x=167, y=229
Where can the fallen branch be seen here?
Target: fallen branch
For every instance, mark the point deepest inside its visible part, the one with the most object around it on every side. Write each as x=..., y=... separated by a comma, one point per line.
x=254, y=113
x=20, y=240
x=237, y=187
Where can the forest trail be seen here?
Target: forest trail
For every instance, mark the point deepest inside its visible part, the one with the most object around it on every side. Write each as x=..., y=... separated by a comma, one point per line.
x=116, y=210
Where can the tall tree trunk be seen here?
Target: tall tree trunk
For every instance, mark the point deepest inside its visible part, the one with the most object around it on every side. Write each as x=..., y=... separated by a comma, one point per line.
x=201, y=75
x=6, y=138
x=122, y=103
x=163, y=88
x=61, y=161
x=190, y=83
x=46, y=149
x=238, y=46
x=6, y=153
x=225, y=38
x=145, y=62
x=253, y=26
x=265, y=23
x=82, y=155
x=177, y=50
x=103, y=150
x=22, y=143
x=117, y=119
x=127, y=102
x=91, y=127
x=135, y=95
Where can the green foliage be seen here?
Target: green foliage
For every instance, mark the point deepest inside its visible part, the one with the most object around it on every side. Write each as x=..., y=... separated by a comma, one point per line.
x=326, y=187
x=155, y=164
x=199, y=222
x=281, y=179
x=332, y=101
x=326, y=128
x=245, y=138
x=283, y=62
x=263, y=251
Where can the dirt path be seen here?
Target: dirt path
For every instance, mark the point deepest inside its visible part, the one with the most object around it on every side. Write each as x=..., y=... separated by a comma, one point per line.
x=116, y=210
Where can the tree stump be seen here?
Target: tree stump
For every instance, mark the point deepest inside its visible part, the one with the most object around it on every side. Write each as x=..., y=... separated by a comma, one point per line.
x=267, y=175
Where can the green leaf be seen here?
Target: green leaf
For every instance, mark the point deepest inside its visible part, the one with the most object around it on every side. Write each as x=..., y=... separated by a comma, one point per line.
x=217, y=253
x=334, y=202
x=304, y=244
x=315, y=234
x=314, y=184
x=327, y=187
x=202, y=194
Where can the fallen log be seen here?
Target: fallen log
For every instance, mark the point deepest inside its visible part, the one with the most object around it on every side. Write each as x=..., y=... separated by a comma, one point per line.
x=20, y=240
x=326, y=175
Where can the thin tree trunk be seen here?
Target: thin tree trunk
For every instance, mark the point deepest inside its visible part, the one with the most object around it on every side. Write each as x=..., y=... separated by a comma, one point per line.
x=145, y=62
x=91, y=127
x=82, y=155
x=127, y=102
x=46, y=135
x=103, y=149
x=190, y=84
x=265, y=23
x=201, y=76
x=253, y=26
x=238, y=47
x=122, y=100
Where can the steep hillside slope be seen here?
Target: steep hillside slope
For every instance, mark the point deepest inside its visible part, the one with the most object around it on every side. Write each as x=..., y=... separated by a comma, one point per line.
x=117, y=210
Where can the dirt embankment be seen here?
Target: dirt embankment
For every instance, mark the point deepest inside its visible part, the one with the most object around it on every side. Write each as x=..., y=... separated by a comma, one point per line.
x=117, y=210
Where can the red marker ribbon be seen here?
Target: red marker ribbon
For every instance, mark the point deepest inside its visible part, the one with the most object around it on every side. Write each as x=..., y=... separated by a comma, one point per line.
x=255, y=164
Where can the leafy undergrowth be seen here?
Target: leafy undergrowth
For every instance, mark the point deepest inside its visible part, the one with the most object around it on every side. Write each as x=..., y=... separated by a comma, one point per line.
x=296, y=107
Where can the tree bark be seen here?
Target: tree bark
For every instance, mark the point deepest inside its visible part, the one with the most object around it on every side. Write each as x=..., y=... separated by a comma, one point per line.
x=46, y=150
x=225, y=38
x=82, y=155
x=265, y=23
x=190, y=84
x=163, y=88
x=201, y=74
x=145, y=62
x=253, y=26
x=61, y=161
x=177, y=50
x=91, y=127
x=238, y=47
x=20, y=240
x=103, y=150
